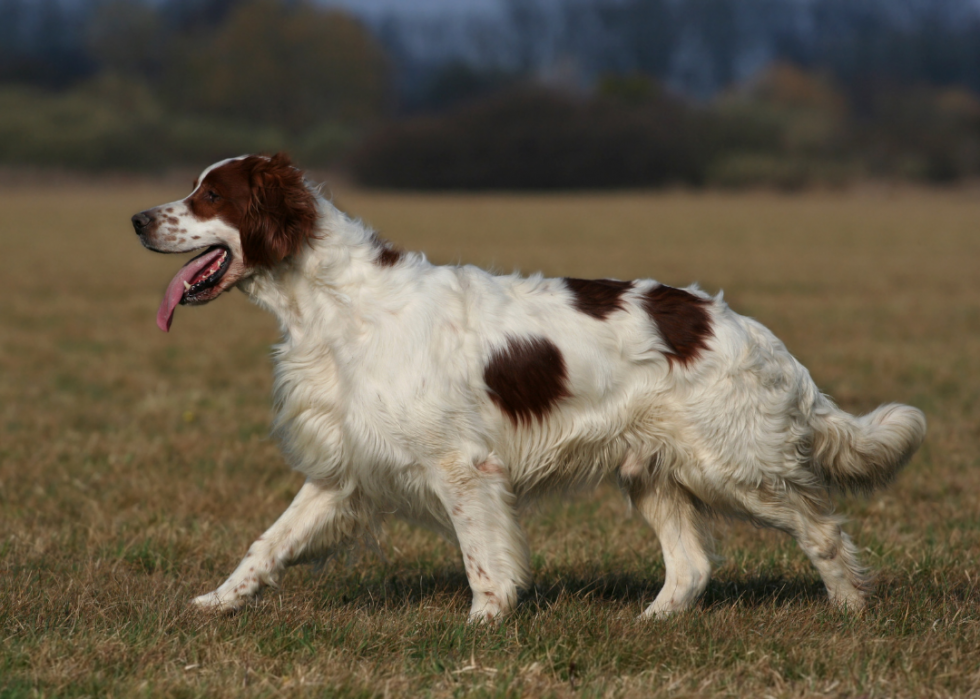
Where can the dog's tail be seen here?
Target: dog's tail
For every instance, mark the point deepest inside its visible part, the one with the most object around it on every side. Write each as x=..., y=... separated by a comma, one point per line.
x=861, y=454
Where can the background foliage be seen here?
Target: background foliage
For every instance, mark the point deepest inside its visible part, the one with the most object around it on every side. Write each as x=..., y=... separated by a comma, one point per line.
x=544, y=94
x=153, y=86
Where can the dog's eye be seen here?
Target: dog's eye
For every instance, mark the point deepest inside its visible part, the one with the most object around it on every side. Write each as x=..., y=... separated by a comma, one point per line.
x=211, y=196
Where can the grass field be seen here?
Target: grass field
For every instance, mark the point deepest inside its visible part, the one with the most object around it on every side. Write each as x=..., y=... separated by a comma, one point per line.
x=135, y=467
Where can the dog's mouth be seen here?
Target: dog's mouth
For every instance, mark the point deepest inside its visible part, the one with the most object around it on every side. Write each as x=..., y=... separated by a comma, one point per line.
x=195, y=283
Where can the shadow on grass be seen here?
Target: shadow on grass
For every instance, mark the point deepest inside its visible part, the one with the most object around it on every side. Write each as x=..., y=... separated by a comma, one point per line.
x=402, y=588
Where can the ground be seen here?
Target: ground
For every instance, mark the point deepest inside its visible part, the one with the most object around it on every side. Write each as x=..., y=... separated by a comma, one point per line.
x=136, y=467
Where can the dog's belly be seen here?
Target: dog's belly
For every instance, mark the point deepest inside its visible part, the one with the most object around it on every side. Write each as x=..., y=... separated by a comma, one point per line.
x=574, y=465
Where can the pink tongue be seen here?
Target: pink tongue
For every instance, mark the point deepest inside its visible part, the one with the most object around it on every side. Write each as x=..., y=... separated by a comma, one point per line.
x=175, y=291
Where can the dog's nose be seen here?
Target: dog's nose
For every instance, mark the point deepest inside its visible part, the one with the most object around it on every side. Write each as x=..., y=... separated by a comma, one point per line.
x=141, y=221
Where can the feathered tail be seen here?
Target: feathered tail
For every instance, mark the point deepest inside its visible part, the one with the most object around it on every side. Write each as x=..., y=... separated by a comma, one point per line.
x=861, y=454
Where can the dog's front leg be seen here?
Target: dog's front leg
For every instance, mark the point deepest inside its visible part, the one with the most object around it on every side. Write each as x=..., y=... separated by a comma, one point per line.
x=480, y=502
x=319, y=518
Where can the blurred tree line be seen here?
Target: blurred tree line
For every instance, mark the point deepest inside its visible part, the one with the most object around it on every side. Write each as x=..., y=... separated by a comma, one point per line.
x=720, y=92
x=785, y=128
x=131, y=84
x=695, y=47
x=579, y=93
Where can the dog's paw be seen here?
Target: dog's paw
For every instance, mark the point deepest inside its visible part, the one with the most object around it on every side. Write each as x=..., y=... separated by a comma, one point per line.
x=853, y=602
x=222, y=603
x=486, y=609
x=661, y=610
x=657, y=615
x=484, y=617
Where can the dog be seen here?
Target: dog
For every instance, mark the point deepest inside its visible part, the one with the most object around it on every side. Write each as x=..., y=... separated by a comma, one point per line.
x=452, y=397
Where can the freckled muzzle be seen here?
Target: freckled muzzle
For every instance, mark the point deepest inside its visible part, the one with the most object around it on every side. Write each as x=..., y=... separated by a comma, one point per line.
x=147, y=225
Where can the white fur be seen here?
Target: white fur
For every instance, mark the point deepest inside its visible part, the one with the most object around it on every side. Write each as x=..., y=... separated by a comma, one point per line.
x=381, y=402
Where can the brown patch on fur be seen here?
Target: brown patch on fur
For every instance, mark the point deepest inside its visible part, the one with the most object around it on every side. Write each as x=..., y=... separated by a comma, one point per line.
x=526, y=378
x=388, y=255
x=681, y=319
x=268, y=202
x=598, y=297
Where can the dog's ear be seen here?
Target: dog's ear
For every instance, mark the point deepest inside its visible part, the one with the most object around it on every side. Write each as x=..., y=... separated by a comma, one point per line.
x=281, y=215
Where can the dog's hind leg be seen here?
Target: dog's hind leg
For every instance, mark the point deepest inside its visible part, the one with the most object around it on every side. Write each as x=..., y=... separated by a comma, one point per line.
x=480, y=503
x=834, y=555
x=807, y=515
x=677, y=518
x=320, y=517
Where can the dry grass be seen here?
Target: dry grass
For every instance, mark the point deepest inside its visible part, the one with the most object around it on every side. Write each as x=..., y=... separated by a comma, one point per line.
x=135, y=467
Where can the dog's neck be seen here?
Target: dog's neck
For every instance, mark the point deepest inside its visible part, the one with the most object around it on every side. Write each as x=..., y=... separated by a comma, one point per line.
x=334, y=288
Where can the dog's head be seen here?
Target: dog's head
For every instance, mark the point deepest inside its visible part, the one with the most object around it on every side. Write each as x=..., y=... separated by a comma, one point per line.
x=245, y=213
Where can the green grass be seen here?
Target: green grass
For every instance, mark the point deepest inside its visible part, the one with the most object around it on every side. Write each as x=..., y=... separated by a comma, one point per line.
x=135, y=467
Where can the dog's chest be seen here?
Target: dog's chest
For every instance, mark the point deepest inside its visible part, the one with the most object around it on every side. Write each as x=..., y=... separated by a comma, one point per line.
x=336, y=414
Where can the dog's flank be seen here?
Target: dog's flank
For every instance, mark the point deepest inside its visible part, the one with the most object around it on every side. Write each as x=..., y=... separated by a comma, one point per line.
x=449, y=396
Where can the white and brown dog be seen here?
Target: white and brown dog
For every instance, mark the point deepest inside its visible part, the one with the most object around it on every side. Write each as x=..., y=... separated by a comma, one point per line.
x=450, y=396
